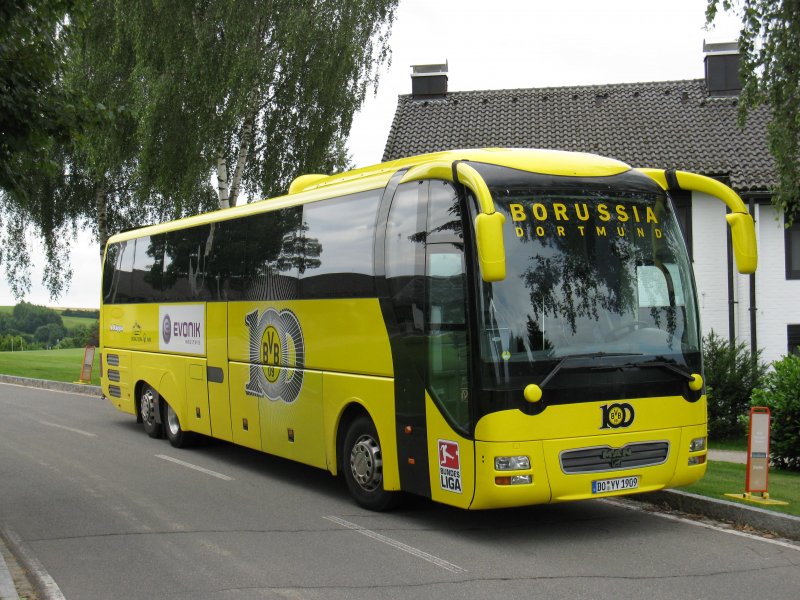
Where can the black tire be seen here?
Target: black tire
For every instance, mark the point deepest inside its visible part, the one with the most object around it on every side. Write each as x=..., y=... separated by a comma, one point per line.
x=148, y=407
x=362, y=463
x=175, y=433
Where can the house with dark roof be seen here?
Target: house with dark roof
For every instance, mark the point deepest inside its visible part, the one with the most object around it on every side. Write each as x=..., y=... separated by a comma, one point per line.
x=690, y=125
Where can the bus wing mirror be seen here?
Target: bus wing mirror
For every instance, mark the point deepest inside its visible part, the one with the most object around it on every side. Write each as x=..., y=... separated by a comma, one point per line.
x=743, y=235
x=488, y=225
x=491, y=253
x=743, y=230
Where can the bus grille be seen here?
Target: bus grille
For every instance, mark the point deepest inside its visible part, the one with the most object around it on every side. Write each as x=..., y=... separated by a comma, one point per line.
x=113, y=375
x=606, y=458
x=113, y=390
x=113, y=360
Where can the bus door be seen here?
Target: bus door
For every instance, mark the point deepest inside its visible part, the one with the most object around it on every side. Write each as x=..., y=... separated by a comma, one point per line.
x=426, y=318
x=219, y=403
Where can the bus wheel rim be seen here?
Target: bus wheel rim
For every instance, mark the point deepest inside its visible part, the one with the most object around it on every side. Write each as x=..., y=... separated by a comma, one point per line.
x=172, y=421
x=148, y=407
x=366, y=464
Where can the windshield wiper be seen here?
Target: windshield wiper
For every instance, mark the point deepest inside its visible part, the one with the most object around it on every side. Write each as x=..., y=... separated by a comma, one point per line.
x=653, y=364
x=554, y=371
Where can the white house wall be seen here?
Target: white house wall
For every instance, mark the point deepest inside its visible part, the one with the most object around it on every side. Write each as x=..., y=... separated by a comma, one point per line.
x=710, y=262
x=777, y=299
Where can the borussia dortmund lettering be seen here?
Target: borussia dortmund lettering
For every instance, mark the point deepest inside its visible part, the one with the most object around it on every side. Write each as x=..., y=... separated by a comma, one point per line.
x=277, y=355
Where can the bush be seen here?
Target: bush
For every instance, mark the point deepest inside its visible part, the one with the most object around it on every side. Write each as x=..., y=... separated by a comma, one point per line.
x=732, y=372
x=780, y=392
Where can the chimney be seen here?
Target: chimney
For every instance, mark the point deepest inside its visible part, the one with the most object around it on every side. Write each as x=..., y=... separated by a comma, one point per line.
x=722, y=69
x=429, y=81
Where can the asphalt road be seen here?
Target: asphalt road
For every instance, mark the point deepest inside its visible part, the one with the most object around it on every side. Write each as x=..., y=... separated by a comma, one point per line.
x=110, y=513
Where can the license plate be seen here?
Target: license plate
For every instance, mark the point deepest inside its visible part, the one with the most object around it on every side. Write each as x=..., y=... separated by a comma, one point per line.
x=618, y=484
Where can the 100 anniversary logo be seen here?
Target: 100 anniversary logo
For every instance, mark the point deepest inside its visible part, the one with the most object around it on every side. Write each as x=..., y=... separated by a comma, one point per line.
x=277, y=355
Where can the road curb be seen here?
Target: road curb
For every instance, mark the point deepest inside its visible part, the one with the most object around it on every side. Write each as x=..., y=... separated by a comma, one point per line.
x=59, y=386
x=46, y=588
x=786, y=526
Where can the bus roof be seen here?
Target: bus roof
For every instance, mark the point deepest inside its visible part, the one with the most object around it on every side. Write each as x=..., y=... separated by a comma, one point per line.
x=309, y=188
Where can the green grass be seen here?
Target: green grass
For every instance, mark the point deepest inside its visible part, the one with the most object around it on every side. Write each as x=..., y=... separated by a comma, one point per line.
x=70, y=322
x=54, y=365
x=729, y=444
x=729, y=478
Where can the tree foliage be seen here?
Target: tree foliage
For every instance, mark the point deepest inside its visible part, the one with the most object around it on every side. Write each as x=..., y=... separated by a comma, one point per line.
x=172, y=96
x=731, y=372
x=769, y=44
x=780, y=392
x=38, y=119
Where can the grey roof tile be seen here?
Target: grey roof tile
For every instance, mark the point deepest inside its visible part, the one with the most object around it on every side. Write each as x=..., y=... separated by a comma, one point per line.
x=658, y=124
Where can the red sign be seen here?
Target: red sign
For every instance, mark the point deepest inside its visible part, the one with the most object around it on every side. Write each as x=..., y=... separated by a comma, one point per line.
x=449, y=466
x=448, y=455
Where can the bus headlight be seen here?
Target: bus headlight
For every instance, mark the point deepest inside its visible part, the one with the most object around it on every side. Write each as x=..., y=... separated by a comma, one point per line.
x=511, y=463
x=697, y=444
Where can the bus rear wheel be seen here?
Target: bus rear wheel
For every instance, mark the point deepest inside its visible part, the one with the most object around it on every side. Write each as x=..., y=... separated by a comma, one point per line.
x=363, y=466
x=175, y=433
x=148, y=405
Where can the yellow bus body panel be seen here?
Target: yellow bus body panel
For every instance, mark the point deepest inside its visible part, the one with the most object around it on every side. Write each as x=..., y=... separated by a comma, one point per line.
x=560, y=428
x=439, y=429
x=376, y=396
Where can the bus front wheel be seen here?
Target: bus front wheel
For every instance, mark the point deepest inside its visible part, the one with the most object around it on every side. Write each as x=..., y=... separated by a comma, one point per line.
x=148, y=405
x=363, y=466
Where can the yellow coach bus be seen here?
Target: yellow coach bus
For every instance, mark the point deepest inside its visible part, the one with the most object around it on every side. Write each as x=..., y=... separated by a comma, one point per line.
x=486, y=328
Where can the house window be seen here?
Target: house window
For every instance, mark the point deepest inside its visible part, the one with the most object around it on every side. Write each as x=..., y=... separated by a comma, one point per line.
x=793, y=251
x=793, y=337
x=683, y=212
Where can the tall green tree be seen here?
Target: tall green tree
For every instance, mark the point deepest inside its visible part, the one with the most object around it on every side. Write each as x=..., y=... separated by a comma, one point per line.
x=38, y=119
x=769, y=44
x=189, y=105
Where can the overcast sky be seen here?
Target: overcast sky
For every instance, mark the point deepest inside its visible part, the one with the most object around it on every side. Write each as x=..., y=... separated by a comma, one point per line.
x=494, y=45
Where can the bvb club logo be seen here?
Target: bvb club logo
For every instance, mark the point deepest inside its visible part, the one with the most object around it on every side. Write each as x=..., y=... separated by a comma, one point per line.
x=617, y=415
x=277, y=355
x=166, y=329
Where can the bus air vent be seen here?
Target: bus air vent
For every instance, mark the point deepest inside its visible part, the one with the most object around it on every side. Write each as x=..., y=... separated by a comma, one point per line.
x=606, y=458
x=113, y=375
x=113, y=360
x=113, y=390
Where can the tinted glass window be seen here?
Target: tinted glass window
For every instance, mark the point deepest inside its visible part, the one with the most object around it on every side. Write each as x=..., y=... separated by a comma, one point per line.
x=405, y=254
x=273, y=256
x=110, y=272
x=333, y=250
x=148, y=263
x=793, y=251
x=444, y=214
x=185, y=264
x=124, y=274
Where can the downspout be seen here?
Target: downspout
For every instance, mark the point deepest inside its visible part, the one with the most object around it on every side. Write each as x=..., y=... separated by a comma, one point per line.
x=753, y=309
x=731, y=298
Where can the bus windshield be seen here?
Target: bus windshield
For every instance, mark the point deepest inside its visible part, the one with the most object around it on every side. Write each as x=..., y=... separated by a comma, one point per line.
x=590, y=273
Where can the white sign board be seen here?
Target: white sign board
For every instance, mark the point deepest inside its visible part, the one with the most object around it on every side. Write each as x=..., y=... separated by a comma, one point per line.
x=758, y=450
x=182, y=328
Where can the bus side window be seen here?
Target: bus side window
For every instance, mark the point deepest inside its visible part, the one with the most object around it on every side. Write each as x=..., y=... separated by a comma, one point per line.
x=448, y=347
x=405, y=255
x=122, y=293
x=111, y=272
